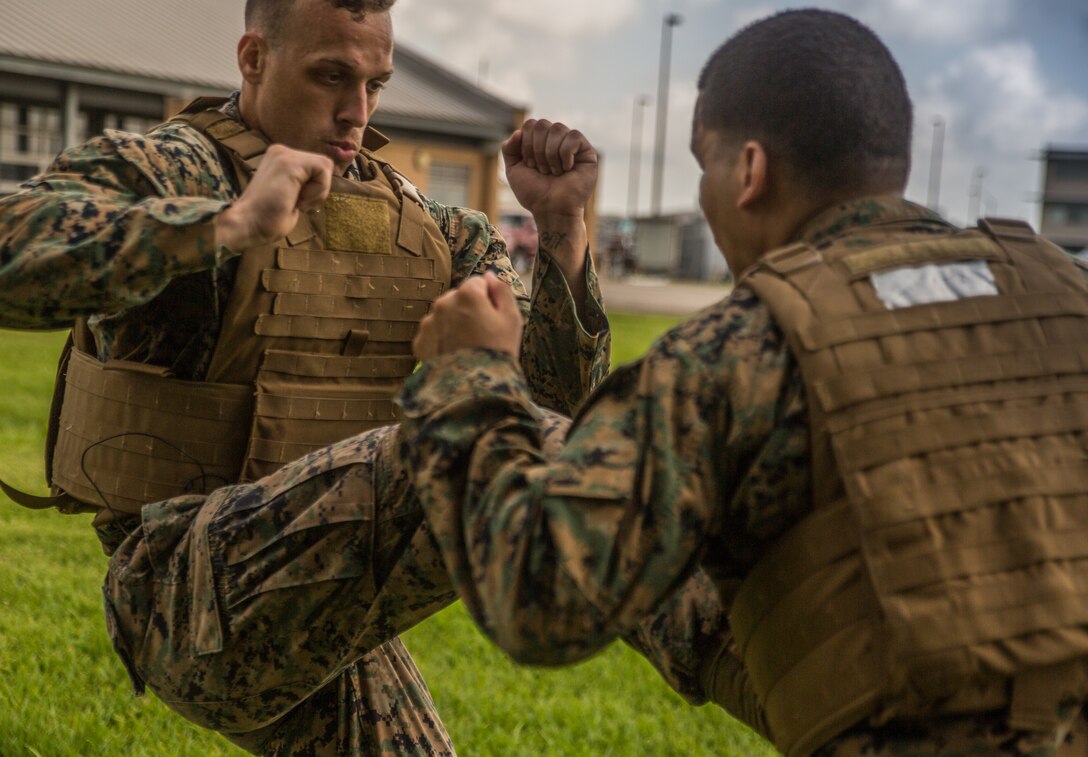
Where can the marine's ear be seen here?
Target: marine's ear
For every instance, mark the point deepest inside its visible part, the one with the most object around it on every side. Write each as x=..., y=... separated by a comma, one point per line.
x=751, y=174
x=252, y=53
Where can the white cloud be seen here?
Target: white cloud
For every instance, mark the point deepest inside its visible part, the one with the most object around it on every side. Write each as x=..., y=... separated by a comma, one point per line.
x=998, y=99
x=745, y=16
x=483, y=19
x=566, y=17
x=959, y=21
x=509, y=46
x=1000, y=110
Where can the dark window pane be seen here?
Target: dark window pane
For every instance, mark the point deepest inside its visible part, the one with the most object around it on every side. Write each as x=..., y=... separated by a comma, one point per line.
x=17, y=172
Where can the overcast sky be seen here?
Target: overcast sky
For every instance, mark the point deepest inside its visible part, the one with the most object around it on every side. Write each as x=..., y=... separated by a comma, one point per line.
x=1007, y=76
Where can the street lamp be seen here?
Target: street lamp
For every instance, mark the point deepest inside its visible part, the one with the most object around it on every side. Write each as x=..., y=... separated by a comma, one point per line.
x=634, y=170
x=935, y=156
x=975, y=194
x=670, y=20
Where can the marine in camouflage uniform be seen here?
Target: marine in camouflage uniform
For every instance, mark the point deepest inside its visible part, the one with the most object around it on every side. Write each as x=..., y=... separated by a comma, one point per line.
x=238, y=606
x=124, y=223
x=699, y=456
x=695, y=455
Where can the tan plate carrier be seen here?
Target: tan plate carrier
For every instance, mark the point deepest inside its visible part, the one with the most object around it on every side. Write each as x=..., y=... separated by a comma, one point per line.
x=315, y=343
x=945, y=567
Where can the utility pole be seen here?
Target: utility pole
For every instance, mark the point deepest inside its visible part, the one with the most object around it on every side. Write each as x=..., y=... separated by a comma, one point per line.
x=974, y=198
x=634, y=170
x=670, y=20
x=935, y=156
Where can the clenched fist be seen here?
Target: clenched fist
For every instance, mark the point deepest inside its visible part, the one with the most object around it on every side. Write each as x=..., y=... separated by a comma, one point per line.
x=481, y=313
x=552, y=169
x=288, y=182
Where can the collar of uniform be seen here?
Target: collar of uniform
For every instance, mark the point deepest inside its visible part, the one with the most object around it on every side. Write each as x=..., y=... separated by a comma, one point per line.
x=857, y=214
x=230, y=108
x=354, y=171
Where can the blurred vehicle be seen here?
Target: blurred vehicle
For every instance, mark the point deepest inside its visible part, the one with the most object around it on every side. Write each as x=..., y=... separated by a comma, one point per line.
x=519, y=231
x=620, y=257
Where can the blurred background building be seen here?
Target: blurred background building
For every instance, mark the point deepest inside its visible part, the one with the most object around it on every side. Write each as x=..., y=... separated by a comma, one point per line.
x=674, y=245
x=1065, y=198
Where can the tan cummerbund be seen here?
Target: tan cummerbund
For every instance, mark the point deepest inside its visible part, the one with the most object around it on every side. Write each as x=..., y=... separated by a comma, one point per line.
x=129, y=434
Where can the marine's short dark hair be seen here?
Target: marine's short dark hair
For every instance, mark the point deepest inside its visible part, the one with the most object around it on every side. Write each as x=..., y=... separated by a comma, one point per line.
x=820, y=92
x=269, y=15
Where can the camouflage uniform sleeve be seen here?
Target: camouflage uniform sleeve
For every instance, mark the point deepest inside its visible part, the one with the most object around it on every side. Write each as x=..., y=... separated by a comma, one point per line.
x=106, y=228
x=555, y=559
x=563, y=357
x=686, y=630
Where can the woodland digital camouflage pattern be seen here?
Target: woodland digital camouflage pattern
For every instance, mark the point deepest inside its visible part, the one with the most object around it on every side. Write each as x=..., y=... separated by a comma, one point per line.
x=981, y=735
x=696, y=456
x=342, y=536
x=114, y=224
x=118, y=220
x=239, y=605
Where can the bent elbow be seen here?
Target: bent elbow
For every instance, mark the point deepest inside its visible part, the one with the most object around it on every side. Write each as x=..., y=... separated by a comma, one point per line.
x=544, y=641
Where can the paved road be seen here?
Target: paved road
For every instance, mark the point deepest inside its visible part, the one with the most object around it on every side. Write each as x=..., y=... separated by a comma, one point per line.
x=642, y=294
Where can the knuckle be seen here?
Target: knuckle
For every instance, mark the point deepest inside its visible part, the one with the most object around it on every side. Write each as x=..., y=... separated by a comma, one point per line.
x=279, y=153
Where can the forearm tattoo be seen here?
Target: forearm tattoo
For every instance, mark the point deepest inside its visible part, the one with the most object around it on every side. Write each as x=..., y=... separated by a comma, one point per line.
x=550, y=241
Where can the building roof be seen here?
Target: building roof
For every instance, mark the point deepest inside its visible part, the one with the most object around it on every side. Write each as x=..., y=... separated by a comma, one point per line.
x=190, y=42
x=1065, y=152
x=188, y=48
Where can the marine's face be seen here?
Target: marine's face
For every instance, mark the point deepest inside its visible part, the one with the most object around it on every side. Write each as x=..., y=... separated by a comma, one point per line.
x=717, y=193
x=317, y=87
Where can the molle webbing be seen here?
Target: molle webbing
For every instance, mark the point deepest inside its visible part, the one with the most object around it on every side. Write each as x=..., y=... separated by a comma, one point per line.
x=314, y=344
x=321, y=324
x=948, y=553
x=131, y=436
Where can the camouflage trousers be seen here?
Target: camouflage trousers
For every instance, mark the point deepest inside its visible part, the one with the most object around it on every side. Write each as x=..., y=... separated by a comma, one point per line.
x=977, y=735
x=270, y=611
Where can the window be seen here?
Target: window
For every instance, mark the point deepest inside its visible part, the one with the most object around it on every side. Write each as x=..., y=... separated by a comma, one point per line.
x=448, y=184
x=1070, y=171
x=29, y=131
x=16, y=173
x=139, y=125
x=30, y=135
x=1066, y=214
x=94, y=122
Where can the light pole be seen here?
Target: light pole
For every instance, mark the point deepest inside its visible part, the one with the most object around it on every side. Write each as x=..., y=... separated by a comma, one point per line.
x=634, y=170
x=670, y=20
x=935, y=156
x=974, y=198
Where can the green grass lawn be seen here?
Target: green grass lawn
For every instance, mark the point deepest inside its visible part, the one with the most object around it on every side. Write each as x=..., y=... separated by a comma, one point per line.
x=62, y=692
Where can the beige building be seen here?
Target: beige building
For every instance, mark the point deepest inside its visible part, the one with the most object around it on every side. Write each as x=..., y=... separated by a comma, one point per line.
x=1065, y=198
x=70, y=69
